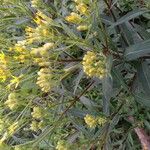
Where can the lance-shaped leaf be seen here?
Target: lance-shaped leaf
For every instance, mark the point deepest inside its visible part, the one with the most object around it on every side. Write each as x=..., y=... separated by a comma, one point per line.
x=129, y=16
x=107, y=93
x=142, y=99
x=144, y=77
x=138, y=50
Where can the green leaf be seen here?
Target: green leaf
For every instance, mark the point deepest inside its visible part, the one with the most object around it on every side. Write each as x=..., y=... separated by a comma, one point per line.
x=141, y=30
x=144, y=77
x=78, y=79
x=138, y=50
x=119, y=78
x=129, y=16
x=77, y=112
x=87, y=102
x=107, y=91
x=107, y=20
x=142, y=99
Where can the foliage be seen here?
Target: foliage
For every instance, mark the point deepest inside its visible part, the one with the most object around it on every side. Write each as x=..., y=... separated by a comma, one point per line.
x=73, y=73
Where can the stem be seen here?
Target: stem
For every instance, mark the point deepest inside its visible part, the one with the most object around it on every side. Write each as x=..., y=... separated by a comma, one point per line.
x=77, y=98
x=69, y=60
x=59, y=121
x=115, y=19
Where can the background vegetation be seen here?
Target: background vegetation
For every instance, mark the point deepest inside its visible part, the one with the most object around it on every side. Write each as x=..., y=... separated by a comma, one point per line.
x=74, y=74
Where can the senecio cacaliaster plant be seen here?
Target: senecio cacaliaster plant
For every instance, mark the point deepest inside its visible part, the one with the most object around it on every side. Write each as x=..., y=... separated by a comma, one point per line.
x=74, y=74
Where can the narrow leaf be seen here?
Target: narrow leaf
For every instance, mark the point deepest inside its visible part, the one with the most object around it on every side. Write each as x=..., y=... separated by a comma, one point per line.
x=138, y=50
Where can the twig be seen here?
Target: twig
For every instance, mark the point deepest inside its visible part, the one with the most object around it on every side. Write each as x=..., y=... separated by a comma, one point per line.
x=77, y=98
x=69, y=60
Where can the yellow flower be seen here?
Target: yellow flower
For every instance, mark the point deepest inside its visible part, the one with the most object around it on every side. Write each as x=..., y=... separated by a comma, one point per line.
x=12, y=128
x=94, y=65
x=41, y=124
x=15, y=81
x=4, y=74
x=42, y=51
x=102, y=121
x=19, y=48
x=34, y=126
x=42, y=62
x=37, y=113
x=90, y=120
x=61, y=145
x=39, y=33
x=45, y=80
x=29, y=29
x=4, y=137
x=3, y=59
x=34, y=3
x=74, y=18
x=21, y=43
x=31, y=40
x=12, y=101
x=21, y=58
x=41, y=19
x=82, y=8
x=2, y=125
x=31, y=35
x=10, y=48
x=45, y=32
x=82, y=27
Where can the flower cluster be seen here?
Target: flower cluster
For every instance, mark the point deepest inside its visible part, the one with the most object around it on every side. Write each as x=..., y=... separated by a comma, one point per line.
x=10, y=131
x=36, y=3
x=13, y=128
x=101, y=121
x=92, y=121
x=12, y=102
x=20, y=51
x=61, y=145
x=42, y=31
x=42, y=51
x=45, y=79
x=34, y=125
x=37, y=112
x=80, y=16
x=4, y=71
x=94, y=65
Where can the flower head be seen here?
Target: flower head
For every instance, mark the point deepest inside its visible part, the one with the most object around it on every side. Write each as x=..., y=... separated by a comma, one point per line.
x=82, y=27
x=12, y=102
x=102, y=121
x=12, y=128
x=45, y=79
x=42, y=51
x=74, y=18
x=94, y=65
x=37, y=113
x=82, y=8
x=90, y=120
x=34, y=125
x=42, y=19
x=61, y=145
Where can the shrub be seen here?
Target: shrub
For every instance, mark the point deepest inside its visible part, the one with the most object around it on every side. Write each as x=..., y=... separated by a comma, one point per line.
x=74, y=74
